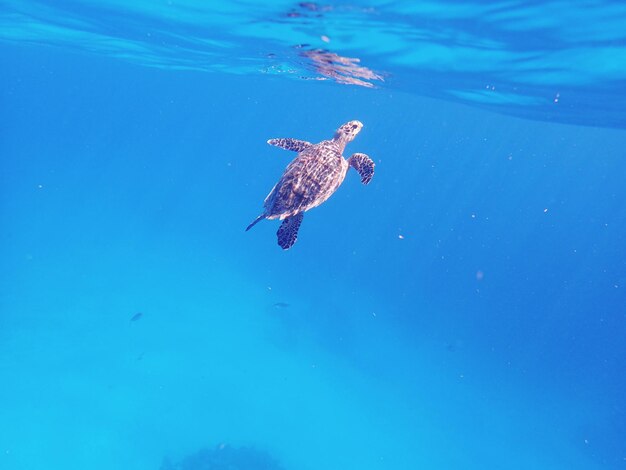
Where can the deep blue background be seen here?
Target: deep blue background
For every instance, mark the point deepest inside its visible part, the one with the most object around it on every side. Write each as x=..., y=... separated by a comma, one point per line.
x=490, y=336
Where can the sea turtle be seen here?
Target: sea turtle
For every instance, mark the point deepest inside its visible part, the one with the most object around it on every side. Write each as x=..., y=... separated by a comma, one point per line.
x=311, y=178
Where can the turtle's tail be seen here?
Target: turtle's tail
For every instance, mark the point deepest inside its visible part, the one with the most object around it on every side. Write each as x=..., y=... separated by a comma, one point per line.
x=255, y=221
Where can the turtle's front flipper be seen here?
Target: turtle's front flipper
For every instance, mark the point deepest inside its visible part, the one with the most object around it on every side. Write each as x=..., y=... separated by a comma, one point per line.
x=364, y=165
x=288, y=231
x=290, y=144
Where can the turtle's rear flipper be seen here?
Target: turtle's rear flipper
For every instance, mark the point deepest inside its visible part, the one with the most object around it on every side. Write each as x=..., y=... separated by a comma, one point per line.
x=364, y=165
x=288, y=231
x=290, y=144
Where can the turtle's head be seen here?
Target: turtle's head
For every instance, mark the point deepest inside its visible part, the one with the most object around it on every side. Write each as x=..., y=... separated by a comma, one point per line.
x=348, y=131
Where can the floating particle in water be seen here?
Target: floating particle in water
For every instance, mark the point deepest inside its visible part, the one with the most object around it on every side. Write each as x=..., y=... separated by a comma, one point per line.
x=556, y=98
x=480, y=275
x=136, y=316
x=401, y=237
x=281, y=305
x=324, y=38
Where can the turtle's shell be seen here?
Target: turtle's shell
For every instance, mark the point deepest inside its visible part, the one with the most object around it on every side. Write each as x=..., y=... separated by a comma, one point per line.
x=311, y=178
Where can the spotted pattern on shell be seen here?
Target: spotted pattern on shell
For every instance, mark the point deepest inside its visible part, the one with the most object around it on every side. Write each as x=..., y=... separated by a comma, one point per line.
x=311, y=178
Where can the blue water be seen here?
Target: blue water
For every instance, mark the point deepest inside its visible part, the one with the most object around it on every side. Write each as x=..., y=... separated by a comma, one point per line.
x=465, y=310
